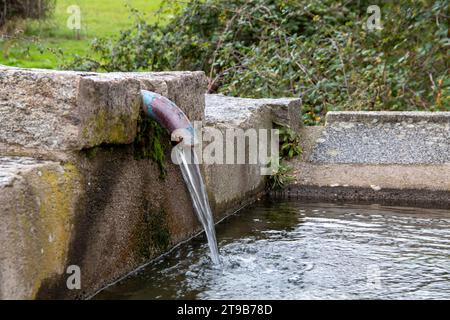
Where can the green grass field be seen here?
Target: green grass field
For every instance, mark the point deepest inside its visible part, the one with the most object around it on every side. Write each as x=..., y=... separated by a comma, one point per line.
x=99, y=18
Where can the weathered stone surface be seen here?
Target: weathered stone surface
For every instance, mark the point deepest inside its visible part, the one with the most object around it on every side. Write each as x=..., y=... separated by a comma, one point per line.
x=66, y=110
x=384, y=138
x=125, y=216
x=104, y=211
x=234, y=183
x=93, y=199
x=115, y=212
x=420, y=177
x=37, y=207
x=387, y=116
x=361, y=156
x=243, y=111
x=102, y=208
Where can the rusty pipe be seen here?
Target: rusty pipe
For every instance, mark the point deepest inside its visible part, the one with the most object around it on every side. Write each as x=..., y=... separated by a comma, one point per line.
x=169, y=116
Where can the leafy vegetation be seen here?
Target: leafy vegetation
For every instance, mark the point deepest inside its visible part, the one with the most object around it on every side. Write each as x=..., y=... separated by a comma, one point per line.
x=280, y=178
x=289, y=143
x=289, y=148
x=319, y=50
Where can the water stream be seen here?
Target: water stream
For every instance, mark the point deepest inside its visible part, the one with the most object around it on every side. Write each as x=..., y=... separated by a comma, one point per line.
x=188, y=161
x=177, y=124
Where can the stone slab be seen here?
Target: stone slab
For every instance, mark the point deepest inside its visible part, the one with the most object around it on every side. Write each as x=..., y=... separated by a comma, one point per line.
x=384, y=138
x=412, y=184
x=67, y=110
x=37, y=207
x=239, y=111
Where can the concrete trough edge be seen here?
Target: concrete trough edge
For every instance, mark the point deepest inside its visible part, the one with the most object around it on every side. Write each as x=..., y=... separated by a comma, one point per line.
x=439, y=199
x=442, y=117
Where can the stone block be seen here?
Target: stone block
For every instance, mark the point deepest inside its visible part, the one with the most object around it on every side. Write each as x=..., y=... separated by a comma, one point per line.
x=67, y=110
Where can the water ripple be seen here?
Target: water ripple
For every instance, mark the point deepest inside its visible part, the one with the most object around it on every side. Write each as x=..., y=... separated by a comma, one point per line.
x=293, y=250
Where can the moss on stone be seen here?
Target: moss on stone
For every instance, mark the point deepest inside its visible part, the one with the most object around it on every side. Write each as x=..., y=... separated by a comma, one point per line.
x=92, y=152
x=117, y=133
x=102, y=129
x=152, y=142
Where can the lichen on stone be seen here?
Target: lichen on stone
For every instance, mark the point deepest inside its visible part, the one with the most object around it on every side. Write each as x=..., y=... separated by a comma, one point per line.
x=104, y=128
x=55, y=191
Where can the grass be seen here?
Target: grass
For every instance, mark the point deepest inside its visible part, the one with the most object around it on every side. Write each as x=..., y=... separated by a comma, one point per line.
x=100, y=18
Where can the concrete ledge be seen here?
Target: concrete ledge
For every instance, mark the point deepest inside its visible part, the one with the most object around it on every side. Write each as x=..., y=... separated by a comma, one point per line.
x=361, y=169
x=429, y=177
x=387, y=116
x=384, y=138
x=231, y=185
x=37, y=208
x=395, y=197
x=241, y=111
x=67, y=110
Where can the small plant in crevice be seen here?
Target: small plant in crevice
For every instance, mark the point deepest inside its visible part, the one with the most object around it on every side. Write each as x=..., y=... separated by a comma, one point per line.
x=149, y=143
x=289, y=143
x=289, y=148
x=280, y=178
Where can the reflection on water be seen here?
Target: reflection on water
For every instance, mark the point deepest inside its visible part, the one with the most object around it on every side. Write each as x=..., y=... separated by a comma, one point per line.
x=294, y=250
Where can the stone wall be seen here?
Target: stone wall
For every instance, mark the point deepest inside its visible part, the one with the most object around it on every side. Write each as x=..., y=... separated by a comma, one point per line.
x=77, y=186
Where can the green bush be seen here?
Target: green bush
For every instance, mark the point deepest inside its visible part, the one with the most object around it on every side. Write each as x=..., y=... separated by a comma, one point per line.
x=318, y=50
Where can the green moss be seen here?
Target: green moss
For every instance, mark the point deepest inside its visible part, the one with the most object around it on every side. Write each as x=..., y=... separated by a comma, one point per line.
x=159, y=231
x=98, y=130
x=151, y=143
x=117, y=133
x=92, y=152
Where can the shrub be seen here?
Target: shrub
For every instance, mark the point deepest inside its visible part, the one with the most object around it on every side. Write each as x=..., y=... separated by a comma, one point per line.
x=318, y=50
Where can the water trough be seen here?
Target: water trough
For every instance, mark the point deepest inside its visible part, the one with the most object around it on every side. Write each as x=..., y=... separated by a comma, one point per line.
x=79, y=184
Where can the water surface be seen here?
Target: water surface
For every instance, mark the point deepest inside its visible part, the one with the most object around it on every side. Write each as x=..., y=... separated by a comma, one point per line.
x=295, y=250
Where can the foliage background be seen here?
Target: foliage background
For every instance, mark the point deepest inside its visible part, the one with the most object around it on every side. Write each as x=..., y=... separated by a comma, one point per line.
x=318, y=50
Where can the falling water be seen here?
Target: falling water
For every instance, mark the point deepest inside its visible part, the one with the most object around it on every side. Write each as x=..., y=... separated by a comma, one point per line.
x=194, y=181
